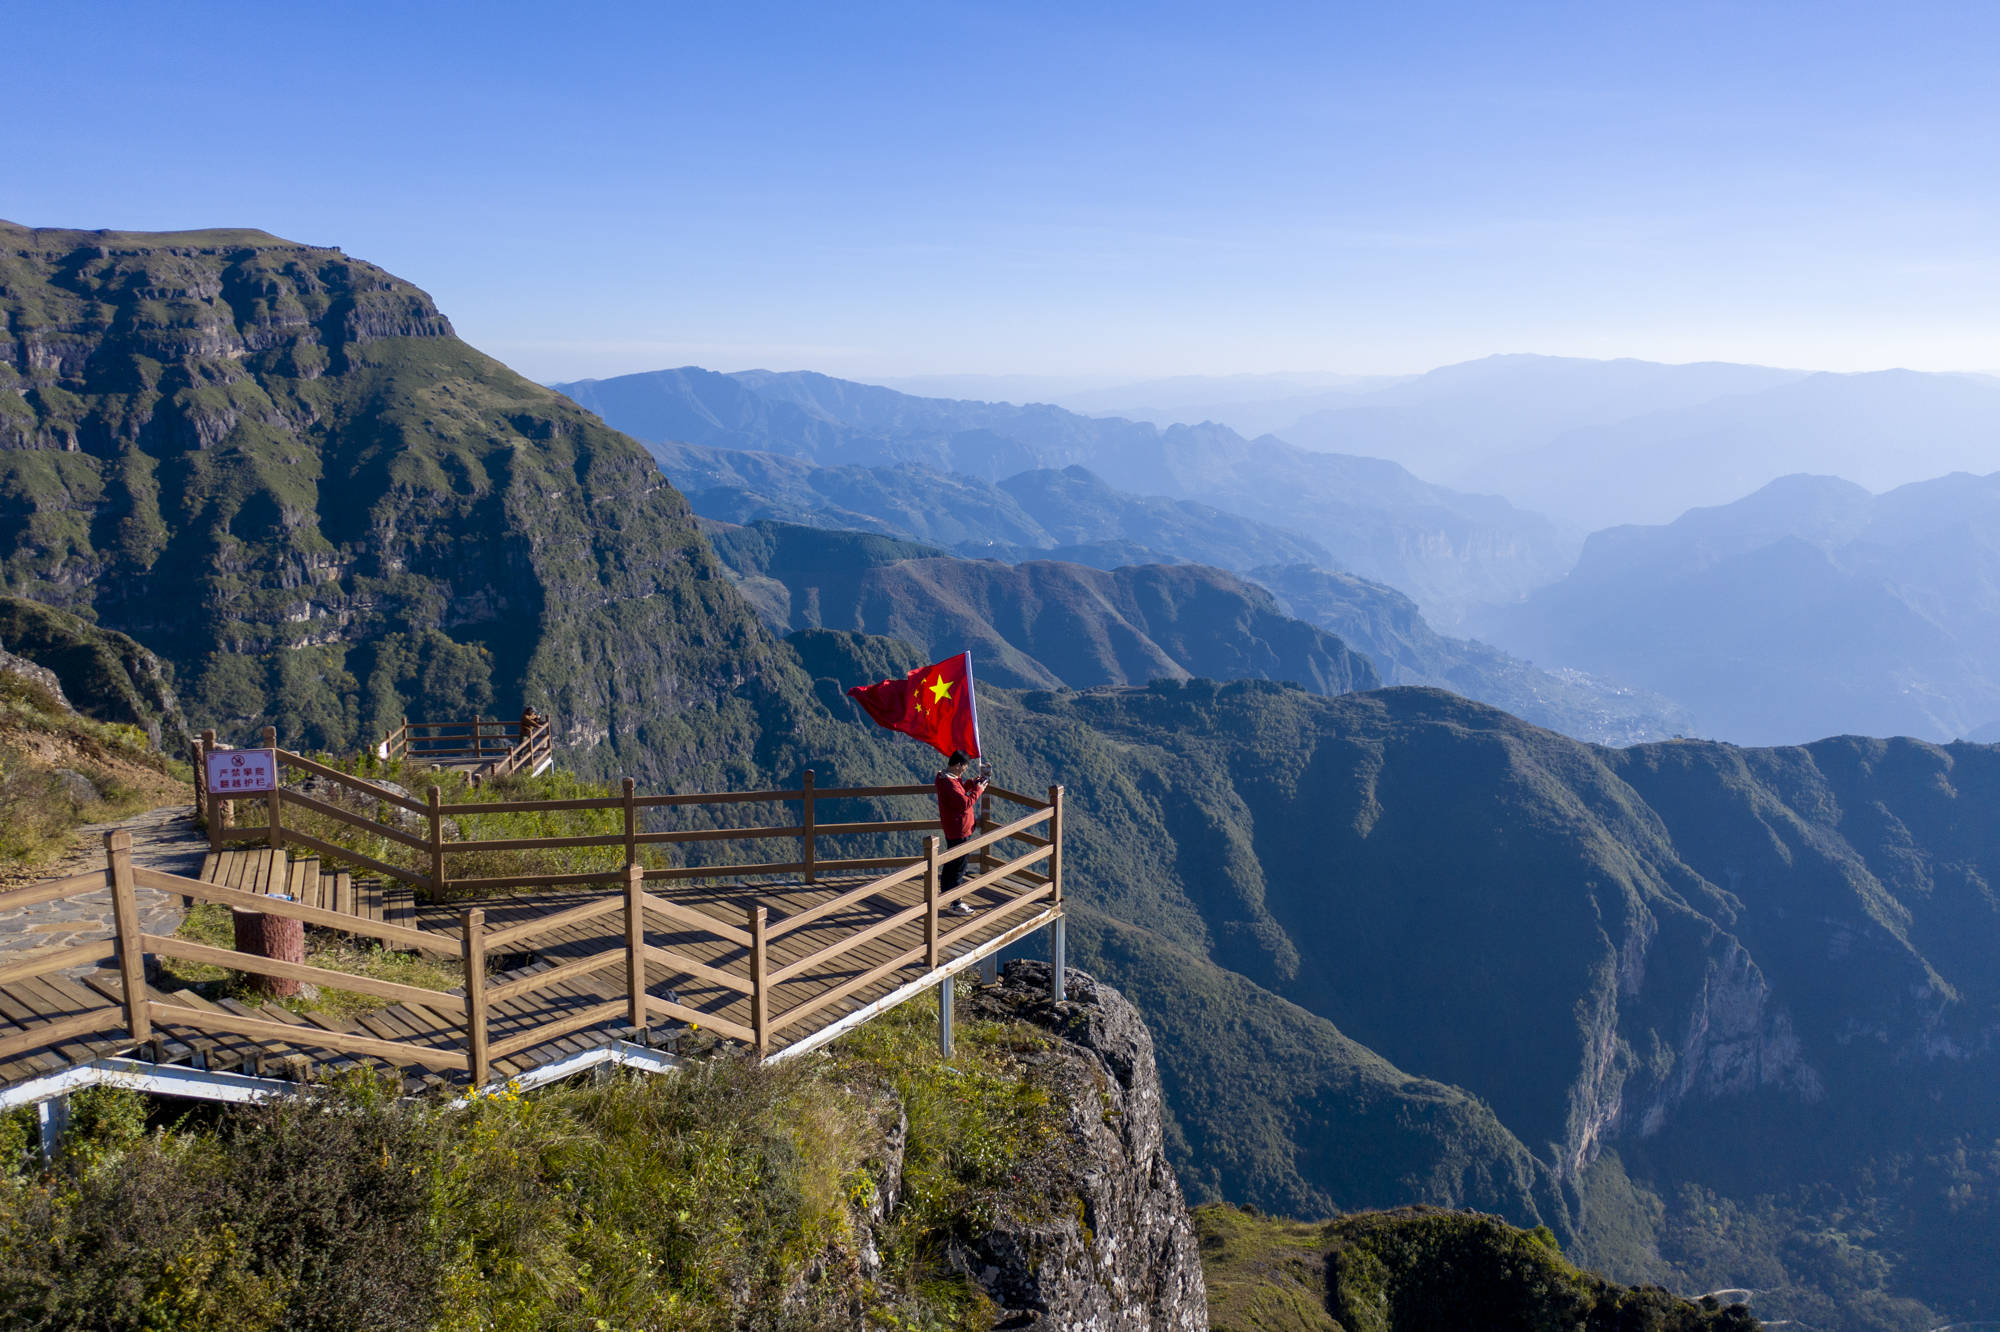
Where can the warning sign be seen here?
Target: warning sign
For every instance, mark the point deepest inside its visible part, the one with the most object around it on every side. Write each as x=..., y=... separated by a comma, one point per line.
x=242, y=771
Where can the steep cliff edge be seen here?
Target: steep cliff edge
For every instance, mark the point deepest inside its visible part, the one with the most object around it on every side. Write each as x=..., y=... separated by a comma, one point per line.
x=1019, y=1186
x=1124, y=1259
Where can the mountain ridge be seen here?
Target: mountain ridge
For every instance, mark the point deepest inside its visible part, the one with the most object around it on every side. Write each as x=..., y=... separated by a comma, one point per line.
x=1449, y=550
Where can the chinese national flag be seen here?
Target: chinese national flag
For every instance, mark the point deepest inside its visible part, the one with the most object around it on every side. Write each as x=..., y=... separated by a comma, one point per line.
x=933, y=703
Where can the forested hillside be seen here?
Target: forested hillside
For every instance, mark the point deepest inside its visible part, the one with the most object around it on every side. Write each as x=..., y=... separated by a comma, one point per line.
x=1040, y=624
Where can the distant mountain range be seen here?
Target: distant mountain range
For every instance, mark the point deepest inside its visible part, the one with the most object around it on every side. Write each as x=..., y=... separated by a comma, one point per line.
x=1027, y=516
x=1037, y=625
x=1448, y=550
x=1405, y=650
x=1811, y=607
x=1070, y=514
x=1600, y=443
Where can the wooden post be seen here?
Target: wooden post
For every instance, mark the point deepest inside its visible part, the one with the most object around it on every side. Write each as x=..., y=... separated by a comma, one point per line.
x=125, y=918
x=631, y=822
x=1059, y=932
x=986, y=824
x=211, y=802
x=635, y=941
x=806, y=822
x=275, y=802
x=930, y=903
x=435, y=799
x=1055, y=845
x=760, y=989
x=473, y=953
x=405, y=735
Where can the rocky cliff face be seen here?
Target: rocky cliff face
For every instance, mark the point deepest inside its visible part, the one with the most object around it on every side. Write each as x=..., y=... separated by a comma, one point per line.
x=1124, y=1258
x=275, y=466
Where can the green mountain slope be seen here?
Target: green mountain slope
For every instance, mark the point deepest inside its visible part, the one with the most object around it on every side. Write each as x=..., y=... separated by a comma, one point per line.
x=1751, y=979
x=274, y=465
x=106, y=676
x=1036, y=625
x=1419, y=1270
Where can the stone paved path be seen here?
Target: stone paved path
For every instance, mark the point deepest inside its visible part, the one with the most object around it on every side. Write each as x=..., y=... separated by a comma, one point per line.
x=162, y=839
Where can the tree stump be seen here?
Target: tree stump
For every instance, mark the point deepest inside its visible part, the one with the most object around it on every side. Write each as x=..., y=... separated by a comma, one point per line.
x=279, y=938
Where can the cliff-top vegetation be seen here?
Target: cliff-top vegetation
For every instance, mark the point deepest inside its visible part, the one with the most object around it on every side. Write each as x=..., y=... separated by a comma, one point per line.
x=729, y=1195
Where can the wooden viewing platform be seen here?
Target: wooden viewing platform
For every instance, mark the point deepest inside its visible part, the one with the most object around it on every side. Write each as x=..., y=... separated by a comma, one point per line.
x=484, y=746
x=781, y=956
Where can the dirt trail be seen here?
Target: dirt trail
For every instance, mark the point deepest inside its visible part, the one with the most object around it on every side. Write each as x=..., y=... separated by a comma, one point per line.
x=163, y=839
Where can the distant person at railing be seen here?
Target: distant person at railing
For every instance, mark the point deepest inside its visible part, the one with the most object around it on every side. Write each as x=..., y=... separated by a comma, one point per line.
x=958, y=812
x=531, y=721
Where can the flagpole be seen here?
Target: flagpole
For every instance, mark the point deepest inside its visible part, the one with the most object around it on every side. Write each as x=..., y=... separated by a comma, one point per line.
x=972, y=701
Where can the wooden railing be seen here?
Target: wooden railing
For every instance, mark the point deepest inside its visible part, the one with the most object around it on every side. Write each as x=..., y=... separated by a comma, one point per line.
x=433, y=853
x=1009, y=887
x=491, y=746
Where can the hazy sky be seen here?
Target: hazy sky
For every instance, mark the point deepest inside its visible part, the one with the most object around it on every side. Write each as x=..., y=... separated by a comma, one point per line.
x=878, y=190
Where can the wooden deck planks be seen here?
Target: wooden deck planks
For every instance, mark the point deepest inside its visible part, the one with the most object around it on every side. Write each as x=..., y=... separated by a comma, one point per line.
x=518, y=1017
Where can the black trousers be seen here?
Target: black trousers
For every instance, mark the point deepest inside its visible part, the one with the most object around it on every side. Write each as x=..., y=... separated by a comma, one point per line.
x=952, y=871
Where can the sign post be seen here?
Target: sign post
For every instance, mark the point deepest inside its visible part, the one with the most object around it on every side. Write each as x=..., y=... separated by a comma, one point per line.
x=241, y=772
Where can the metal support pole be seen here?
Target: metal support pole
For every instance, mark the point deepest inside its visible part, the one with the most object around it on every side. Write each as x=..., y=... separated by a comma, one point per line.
x=944, y=1018
x=1058, y=942
x=52, y=1119
x=989, y=969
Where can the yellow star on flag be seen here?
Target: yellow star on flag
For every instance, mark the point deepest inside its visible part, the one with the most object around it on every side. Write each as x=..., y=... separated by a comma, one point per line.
x=940, y=691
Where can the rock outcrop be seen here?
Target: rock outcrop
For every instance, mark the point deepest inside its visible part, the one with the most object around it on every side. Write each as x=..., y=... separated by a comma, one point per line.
x=1124, y=1257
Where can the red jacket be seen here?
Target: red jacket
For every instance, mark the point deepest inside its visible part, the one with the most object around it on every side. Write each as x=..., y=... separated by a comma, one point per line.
x=958, y=805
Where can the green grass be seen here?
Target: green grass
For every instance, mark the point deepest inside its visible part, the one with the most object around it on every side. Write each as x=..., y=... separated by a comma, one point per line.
x=728, y=1196
x=986, y=1144
x=39, y=809
x=211, y=924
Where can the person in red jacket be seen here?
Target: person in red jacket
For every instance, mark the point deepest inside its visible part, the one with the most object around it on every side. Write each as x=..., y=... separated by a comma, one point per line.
x=958, y=812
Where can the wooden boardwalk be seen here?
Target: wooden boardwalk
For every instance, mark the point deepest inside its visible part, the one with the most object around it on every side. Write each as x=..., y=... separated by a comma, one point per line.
x=270, y=871
x=780, y=967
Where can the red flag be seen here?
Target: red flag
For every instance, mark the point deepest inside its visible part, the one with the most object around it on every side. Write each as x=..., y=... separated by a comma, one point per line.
x=933, y=703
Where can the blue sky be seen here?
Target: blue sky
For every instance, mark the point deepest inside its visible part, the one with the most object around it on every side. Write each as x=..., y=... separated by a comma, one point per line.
x=880, y=190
